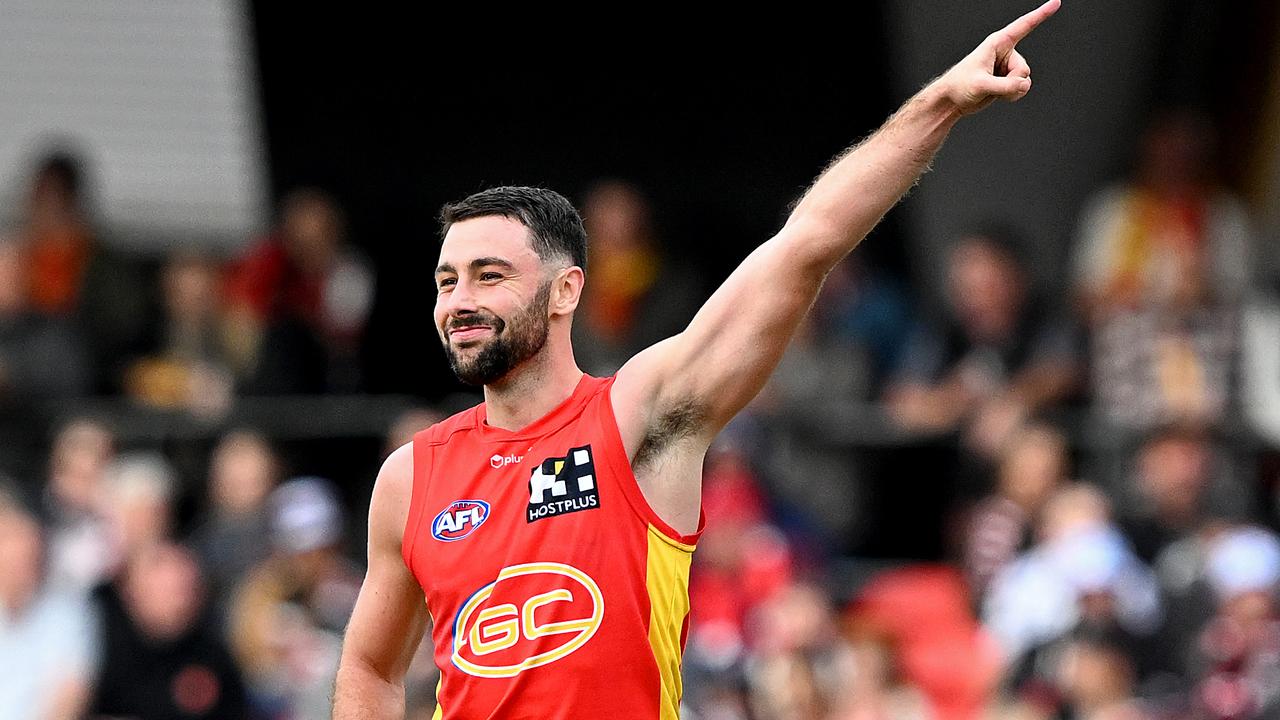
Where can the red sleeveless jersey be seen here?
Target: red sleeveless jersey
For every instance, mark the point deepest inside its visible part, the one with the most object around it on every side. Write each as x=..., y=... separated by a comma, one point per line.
x=554, y=589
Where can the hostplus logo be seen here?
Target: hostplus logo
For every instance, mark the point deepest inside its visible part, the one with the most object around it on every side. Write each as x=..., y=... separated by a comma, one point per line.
x=500, y=461
x=561, y=485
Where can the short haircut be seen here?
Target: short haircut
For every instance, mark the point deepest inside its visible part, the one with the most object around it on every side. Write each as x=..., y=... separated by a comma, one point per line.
x=555, y=227
x=1001, y=237
x=66, y=169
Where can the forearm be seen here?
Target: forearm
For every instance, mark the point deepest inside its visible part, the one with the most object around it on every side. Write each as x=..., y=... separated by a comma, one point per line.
x=361, y=694
x=865, y=181
x=1044, y=384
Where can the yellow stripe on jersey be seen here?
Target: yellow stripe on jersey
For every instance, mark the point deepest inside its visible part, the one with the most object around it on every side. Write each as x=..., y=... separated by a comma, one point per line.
x=667, y=579
x=439, y=713
x=439, y=680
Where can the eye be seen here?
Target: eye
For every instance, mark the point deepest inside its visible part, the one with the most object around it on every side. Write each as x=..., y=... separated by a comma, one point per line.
x=490, y=276
x=445, y=283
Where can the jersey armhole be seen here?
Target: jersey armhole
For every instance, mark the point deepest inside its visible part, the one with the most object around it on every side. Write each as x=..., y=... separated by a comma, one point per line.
x=417, y=500
x=621, y=467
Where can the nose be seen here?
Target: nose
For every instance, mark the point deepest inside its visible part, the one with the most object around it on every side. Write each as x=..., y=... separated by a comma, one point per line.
x=461, y=300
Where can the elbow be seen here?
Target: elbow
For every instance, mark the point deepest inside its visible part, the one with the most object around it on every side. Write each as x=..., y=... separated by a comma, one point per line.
x=811, y=249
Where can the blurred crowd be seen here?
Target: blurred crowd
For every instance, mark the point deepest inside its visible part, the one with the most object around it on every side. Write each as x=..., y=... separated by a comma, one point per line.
x=1109, y=547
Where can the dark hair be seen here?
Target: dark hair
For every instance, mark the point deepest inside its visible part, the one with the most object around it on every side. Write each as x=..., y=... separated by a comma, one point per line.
x=1001, y=237
x=63, y=167
x=555, y=227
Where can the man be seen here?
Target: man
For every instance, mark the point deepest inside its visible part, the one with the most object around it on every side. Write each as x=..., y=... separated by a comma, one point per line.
x=549, y=529
x=47, y=646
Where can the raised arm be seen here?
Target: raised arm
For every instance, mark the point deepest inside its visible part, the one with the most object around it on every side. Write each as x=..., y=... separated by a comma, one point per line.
x=390, y=615
x=700, y=378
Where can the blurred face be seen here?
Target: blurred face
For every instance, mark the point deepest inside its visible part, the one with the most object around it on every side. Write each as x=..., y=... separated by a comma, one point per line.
x=50, y=200
x=1173, y=475
x=242, y=473
x=190, y=290
x=985, y=289
x=1033, y=468
x=492, y=303
x=616, y=217
x=312, y=232
x=80, y=455
x=20, y=557
x=162, y=591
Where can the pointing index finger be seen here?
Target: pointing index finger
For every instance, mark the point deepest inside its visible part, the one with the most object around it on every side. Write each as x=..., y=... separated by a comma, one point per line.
x=1022, y=27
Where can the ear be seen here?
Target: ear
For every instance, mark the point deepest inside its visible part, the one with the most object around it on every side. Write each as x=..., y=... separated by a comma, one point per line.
x=566, y=290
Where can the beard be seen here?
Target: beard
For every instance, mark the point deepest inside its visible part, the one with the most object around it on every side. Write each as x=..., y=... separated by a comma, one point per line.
x=511, y=344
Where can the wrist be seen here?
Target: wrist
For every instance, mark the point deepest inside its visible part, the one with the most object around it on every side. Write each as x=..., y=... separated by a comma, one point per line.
x=936, y=99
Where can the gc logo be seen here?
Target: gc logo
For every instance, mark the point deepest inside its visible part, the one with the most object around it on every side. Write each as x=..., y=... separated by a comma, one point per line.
x=503, y=639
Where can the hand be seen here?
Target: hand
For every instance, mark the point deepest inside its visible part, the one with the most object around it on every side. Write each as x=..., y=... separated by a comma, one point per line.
x=993, y=425
x=995, y=69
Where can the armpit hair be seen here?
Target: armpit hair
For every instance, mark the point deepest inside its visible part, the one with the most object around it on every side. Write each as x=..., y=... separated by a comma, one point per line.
x=675, y=424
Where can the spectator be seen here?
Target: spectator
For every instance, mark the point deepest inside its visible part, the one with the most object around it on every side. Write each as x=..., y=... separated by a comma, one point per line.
x=1090, y=673
x=1081, y=569
x=140, y=491
x=235, y=535
x=636, y=296
x=866, y=310
x=793, y=675
x=817, y=384
x=187, y=361
x=1239, y=669
x=299, y=301
x=160, y=659
x=840, y=353
x=40, y=356
x=46, y=635
x=1161, y=266
x=106, y=512
x=288, y=615
x=80, y=532
x=1032, y=468
x=1001, y=355
x=1172, y=238
x=1180, y=482
x=59, y=237
x=72, y=274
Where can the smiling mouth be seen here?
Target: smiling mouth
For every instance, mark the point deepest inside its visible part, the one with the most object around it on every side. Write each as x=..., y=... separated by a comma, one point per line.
x=470, y=332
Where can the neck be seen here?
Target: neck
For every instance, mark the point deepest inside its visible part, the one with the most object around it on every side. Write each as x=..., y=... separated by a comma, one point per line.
x=532, y=389
x=15, y=600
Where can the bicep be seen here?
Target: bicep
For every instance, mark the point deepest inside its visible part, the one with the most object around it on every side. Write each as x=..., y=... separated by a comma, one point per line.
x=725, y=355
x=390, y=614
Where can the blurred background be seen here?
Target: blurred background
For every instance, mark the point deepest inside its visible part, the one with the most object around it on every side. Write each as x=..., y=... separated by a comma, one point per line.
x=1021, y=461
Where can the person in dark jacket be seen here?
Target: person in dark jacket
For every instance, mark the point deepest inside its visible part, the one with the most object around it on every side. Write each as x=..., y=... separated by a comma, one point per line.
x=160, y=659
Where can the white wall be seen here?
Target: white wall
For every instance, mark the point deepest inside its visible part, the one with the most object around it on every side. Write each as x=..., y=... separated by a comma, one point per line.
x=161, y=96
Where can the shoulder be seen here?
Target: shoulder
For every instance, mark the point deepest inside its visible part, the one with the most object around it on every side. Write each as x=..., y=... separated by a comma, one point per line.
x=394, y=485
x=445, y=430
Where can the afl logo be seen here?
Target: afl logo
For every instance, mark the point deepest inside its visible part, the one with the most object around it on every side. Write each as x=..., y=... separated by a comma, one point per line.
x=459, y=520
x=533, y=615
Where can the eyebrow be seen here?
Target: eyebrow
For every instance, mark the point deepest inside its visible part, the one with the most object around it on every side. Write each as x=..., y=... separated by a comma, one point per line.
x=477, y=264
